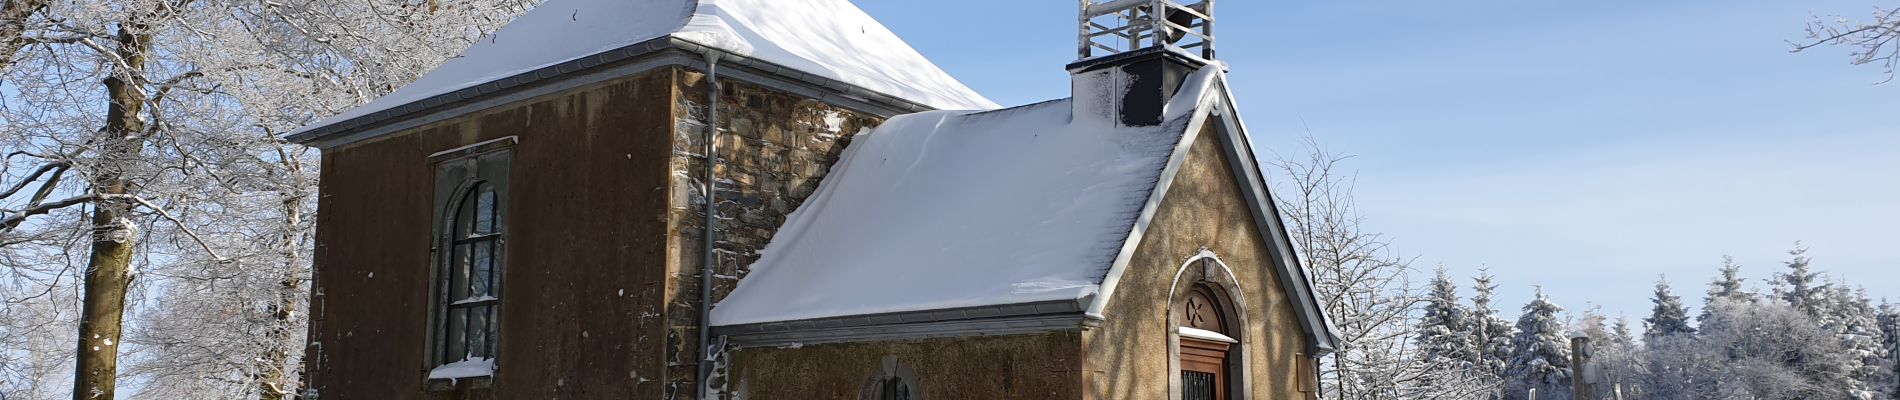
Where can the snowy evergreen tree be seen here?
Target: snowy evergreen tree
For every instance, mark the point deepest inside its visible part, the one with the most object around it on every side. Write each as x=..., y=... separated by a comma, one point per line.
x=1491, y=334
x=1801, y=287
x=1890, y=324
x=1444, y=332
x=1668, y=317
x=1622, y=331
x=1852, y=319
x=1540, y=353
x=1727, y=286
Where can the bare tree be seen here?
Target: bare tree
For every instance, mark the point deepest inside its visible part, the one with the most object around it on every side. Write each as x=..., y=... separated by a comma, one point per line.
x=1365, y=287
x=1874, y=41
x=143, y=173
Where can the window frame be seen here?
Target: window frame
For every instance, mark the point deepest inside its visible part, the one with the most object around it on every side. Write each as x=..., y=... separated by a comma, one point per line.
x=459, y=176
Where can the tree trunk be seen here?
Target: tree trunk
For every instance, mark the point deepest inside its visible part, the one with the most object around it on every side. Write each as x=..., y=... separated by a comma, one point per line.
x=109, y=271
x=13, y=16
x=275, y=384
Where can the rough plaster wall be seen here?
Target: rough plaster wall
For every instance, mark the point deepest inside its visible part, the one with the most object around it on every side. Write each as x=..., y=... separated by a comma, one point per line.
x=1129, y=353
x=773, y=149
x=581, y=294
x=1040, y=366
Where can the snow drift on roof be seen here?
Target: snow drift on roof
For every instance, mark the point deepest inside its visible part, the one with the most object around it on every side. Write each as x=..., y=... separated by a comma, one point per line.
x=954, y=209
x=829, y=38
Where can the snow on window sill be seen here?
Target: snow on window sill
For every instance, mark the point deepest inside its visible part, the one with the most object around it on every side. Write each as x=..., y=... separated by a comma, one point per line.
x=472, y=300
x=465, y=369
x=1207, y=335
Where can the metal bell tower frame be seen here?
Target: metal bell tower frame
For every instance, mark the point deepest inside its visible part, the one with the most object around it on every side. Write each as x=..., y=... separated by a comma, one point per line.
x=1111, y=27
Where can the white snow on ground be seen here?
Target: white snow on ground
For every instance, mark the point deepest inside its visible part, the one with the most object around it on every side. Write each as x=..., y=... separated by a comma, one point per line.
x=829, y=38
x=955, y=209
x=468, y=368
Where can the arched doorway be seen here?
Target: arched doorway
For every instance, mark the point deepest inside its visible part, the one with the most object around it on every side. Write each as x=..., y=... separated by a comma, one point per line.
x=1206, y=339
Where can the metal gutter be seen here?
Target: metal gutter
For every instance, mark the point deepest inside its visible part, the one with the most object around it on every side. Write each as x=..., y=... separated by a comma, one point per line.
x=965, y=321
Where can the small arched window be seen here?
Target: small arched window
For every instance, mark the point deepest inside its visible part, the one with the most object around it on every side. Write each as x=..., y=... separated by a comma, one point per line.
x=1206, y=345
x=893, y=388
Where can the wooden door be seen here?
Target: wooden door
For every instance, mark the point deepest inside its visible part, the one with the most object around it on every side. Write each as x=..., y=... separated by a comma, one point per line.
x=1204, y=363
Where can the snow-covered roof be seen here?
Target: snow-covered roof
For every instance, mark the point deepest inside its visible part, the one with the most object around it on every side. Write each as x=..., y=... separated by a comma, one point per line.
x=958, y=214
x=956, y=209
x=828, y=38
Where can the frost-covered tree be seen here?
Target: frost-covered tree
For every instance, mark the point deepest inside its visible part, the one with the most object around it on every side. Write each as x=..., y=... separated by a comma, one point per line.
x=1667, y=316
x=1875, y=40
x=1444, y=331
x=1763, y=350
x=1622, y=333
x=1801, y=287
x=1491, y=333
x=145, y=191
x=1540, y=352
x=1853, y=319
x=1727, y=285
x=1365, y=287
x=1890, y=325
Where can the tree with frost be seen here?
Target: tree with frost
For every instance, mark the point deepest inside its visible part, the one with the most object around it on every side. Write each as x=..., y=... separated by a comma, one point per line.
x=1890, y=325
x=1875, y=40
x=1364, y=286
x=1540, y=353
x=1491, y=333
x=1622, y=333
x=1853, y=319
x=1615, y=356
x=1761, y=350
x=144, y=177
x=1668, y=316
x=1728, y=285
x=1801, y=287
x=1444, y=331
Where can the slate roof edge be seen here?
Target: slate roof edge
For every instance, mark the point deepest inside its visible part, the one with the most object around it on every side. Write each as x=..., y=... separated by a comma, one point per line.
x=600, y=67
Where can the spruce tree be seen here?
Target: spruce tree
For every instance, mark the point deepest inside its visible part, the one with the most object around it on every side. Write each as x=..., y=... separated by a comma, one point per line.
x=1852, y=318
x=1491, y=334
x=1801, y=287
x=1668, y=317
x=1540, y=352
x=1889, y=319
x=1622, y=331
x=1444, y=332
x=1727, y=286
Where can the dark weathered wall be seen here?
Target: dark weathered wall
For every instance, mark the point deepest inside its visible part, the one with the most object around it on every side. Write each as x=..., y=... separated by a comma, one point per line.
x=583, y=285
x=1129, y=353
x=1042, y=366
x=773, y=147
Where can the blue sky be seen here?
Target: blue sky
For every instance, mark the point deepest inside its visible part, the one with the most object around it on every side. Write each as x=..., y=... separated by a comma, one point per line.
x=1588, y=147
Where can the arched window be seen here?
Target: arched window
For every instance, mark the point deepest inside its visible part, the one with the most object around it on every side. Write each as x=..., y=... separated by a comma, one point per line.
x=893, y=388
x=472, y=190
x=1206, y=338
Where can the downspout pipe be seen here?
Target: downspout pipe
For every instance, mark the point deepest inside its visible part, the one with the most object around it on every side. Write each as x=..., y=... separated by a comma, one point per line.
x=706, y=350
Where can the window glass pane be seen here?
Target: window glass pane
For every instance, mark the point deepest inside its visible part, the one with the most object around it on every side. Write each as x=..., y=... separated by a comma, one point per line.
x=482, y=268
x=478, y=331
x=458, y=273
x=485, y=211
x=493, y=326
x=454, y=345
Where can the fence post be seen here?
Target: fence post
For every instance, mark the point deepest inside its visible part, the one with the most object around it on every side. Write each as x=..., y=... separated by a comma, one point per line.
x=1583, y=380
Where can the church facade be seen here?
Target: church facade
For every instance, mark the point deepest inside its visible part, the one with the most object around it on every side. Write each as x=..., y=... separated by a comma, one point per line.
x=530, y=221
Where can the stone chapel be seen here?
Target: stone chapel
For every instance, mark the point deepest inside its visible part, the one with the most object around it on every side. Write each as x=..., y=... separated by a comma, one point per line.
x=780, y=199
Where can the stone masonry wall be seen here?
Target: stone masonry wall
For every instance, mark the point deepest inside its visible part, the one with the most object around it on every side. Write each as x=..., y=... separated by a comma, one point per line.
x=773, y=149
